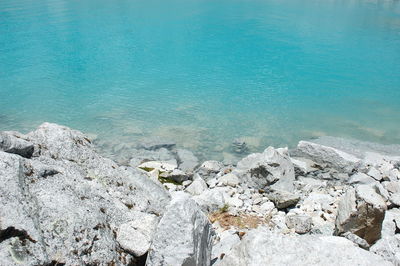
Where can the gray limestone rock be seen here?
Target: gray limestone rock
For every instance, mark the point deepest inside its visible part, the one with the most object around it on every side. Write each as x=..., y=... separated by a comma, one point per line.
x=273, y=166
x=283, y=199
x=197, y=187
x=327, y=155
x=300, y=223
x=262, y=247
x=183, y=236
x=388, y=248
x=15, y=143
x=229, y=180
x=361, y=179
x=356, y=240
x=361, y=211
x=65, y=204
x=135, y=236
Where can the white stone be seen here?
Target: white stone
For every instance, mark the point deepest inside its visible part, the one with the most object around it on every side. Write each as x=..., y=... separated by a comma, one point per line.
x=159, y=165
x=186, y=183
x=267, y=207
x=197, y=187
x=136, y=235
x=361, y=179
x=211, y=199
x=303, y=165
x=228, y=239
x=361, y=211
x=373, y=172
x=300, y=223
x=261, y=247
x=388, y=248
x=324, y=154
x=183, y=236
x=229, y=180
x=395, y=199
x=273, y=166
x=212, y=166
x=234, y=201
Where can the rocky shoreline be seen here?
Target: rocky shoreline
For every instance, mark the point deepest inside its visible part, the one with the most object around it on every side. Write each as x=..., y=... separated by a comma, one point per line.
x=327, y=202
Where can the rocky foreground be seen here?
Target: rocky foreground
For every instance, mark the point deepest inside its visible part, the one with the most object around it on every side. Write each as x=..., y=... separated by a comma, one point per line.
x=328, y=202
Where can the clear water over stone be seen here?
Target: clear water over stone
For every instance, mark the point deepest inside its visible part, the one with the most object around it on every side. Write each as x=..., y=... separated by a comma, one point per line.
x=203, y=72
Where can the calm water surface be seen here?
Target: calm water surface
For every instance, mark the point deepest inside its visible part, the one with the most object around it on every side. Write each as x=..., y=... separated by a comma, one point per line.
x=203, y=72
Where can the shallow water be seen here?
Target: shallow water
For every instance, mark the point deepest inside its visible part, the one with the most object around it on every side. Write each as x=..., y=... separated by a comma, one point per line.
x=203, y=72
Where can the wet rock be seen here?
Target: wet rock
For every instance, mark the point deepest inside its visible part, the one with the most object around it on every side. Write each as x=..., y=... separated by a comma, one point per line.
x=239, y=146
x=13, y=143
x=361, y=211
x=155, y=143
x=187, y=160
x=183, y=236
x=139, y=156
x=261, y=247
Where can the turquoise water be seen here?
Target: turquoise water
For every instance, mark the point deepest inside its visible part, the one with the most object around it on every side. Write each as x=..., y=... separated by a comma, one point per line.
x=203, y=72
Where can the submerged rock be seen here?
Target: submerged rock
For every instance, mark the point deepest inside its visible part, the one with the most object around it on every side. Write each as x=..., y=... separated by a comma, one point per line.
x=155, y=143
x=187, y=160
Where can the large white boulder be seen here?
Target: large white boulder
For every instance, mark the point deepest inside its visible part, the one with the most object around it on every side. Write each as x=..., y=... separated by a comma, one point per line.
x=197, y=187
x=183, y=236
x=327, y=155
x=262, y=247
x=136, y=235
x=65, y=203
x=273, y=166
x=361, y=211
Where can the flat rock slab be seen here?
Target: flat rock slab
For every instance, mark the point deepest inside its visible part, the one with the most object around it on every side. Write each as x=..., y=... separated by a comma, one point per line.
x=262, y=247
